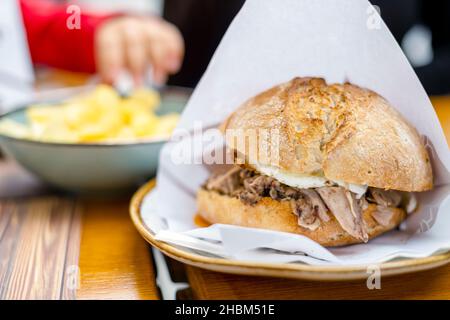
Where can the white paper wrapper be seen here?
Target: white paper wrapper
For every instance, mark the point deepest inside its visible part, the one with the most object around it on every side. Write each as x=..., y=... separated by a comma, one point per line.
x=271, y=42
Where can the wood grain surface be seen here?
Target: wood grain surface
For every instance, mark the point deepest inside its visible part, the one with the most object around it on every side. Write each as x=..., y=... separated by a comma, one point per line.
x=34, y=239
x=115, y=262
x=56, y=246
x=41, y=256
x=442, y=107
x=434, y=284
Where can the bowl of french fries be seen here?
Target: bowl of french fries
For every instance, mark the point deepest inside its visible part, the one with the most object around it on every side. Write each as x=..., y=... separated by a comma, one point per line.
x=95, y=141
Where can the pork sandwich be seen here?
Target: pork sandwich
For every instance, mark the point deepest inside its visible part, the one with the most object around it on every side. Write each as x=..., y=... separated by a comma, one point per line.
x=346, y=170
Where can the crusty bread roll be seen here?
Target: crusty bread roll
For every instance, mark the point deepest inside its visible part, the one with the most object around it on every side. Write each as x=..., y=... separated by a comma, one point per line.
x=342, y=131
x=277, y=215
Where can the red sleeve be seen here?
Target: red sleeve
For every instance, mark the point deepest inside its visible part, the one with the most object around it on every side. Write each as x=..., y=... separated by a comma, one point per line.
x=52, y=42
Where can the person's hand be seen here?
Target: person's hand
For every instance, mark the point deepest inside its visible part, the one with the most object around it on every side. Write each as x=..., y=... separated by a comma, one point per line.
x=134, y=44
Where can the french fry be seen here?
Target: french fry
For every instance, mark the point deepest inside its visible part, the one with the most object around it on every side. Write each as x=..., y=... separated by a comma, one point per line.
x=101, y=115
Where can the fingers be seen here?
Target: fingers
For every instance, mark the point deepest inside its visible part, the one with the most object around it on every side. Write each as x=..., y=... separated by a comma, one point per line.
x=109, y=53
x=165, y=49
x=134, y=44
x=136, y=52
x=174, y=44
x=157, y=52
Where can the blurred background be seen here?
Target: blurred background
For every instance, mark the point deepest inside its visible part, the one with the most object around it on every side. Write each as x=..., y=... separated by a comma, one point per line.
x=119, y=39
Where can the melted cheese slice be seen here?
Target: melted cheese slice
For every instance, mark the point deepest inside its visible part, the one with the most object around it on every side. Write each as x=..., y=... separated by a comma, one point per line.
x=304, y=181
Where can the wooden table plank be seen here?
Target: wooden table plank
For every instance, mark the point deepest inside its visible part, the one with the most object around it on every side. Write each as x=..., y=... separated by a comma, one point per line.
x=442, y=107
x=5, y=217
x=34, y=248
x=115, y=262
x=12, y=221
x=434, y=284
x=71, y=280
x=40, y=246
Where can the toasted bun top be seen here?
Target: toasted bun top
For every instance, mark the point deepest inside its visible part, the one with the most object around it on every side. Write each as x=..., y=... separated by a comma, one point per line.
x=344, y=132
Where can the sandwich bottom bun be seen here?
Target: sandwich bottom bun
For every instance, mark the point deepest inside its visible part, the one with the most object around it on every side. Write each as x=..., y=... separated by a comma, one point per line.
x=277, y=215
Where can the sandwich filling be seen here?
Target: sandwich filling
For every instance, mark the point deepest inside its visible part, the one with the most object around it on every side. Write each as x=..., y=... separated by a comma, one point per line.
x=303, y=181
x=312, y=205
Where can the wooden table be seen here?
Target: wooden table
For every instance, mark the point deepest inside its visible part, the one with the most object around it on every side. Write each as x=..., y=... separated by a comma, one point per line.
x=57, y=246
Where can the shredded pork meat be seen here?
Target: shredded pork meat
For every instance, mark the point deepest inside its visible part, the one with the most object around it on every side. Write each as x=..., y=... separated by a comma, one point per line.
x=311, y=206
x=341, y=202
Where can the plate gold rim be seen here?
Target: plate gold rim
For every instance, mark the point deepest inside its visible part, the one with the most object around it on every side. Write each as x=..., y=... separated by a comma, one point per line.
x=299, y=271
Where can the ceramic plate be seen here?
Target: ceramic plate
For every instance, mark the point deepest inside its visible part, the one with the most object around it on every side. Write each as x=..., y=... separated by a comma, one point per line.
x=295, y=271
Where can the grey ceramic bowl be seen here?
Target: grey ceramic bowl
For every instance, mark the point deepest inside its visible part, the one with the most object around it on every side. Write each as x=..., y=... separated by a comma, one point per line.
x=91, y=167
